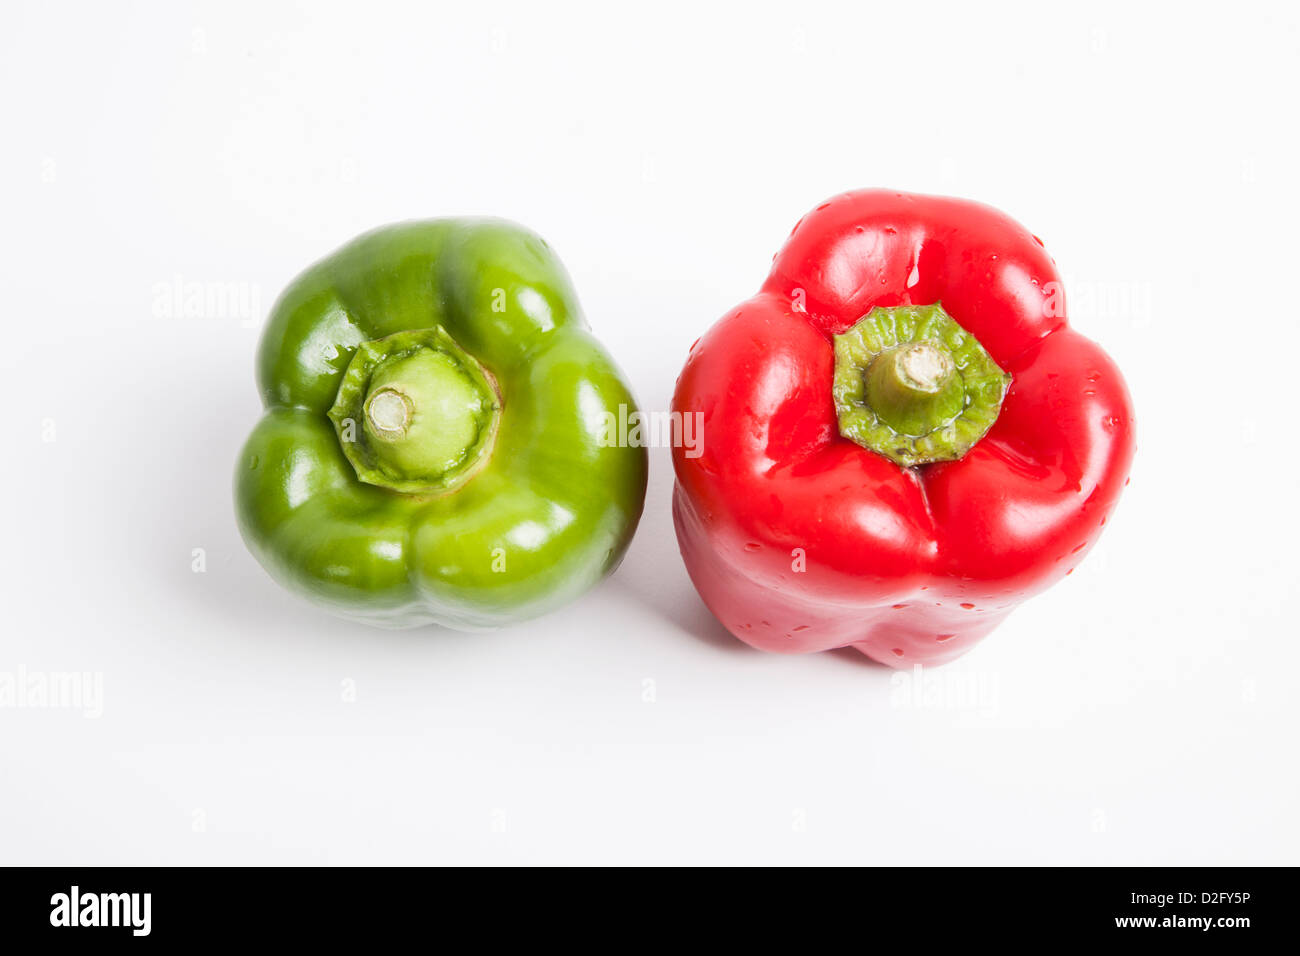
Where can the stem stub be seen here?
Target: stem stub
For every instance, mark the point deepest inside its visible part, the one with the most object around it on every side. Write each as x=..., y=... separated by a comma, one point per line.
x=914, y=386
x=415, y=413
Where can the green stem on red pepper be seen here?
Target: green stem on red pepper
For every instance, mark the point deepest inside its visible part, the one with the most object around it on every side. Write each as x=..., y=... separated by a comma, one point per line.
x=914, y=386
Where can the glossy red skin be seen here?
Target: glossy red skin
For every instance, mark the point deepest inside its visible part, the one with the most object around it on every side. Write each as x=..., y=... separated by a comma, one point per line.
x=909, y=566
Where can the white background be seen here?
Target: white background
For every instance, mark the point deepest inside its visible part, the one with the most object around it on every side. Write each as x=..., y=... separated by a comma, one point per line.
x=1144, y=711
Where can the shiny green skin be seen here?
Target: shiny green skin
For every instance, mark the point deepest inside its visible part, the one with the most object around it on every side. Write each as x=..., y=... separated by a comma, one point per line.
x=550, y=514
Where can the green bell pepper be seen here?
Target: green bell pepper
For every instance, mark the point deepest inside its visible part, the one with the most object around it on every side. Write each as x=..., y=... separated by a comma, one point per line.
x=436, y=444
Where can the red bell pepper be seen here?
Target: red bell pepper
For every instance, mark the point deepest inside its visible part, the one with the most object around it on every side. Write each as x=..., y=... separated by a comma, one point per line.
x=900, y=439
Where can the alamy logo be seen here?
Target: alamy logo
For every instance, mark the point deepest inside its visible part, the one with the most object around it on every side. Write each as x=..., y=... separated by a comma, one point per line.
x=102, y=909
x=636, y=429
x=55, y=690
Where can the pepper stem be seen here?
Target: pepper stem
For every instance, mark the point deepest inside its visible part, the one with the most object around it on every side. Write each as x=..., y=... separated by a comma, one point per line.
x=427, y=412
x=913, y=385
x=915, y=388
x=389, y=412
